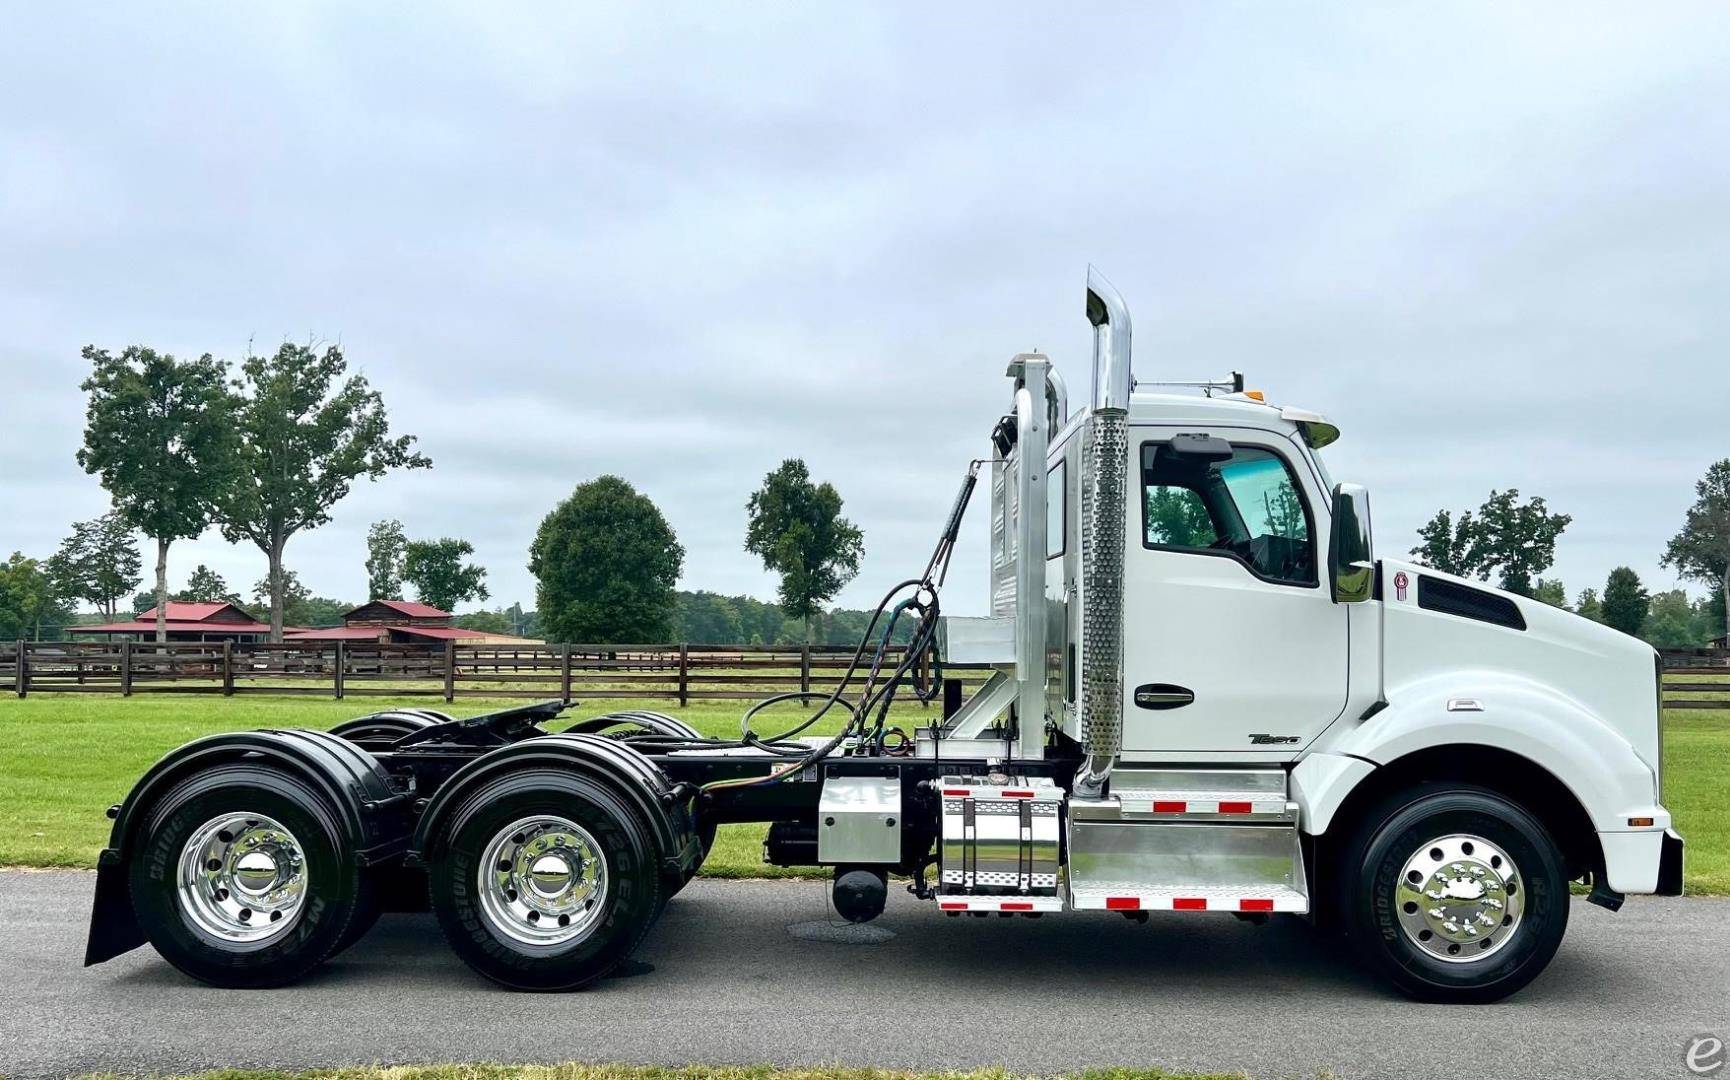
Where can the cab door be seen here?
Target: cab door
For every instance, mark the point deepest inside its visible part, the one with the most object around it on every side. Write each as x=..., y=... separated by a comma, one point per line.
x=1232, y=643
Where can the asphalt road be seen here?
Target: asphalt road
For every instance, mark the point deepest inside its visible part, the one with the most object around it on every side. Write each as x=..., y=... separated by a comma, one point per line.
x=751, y=972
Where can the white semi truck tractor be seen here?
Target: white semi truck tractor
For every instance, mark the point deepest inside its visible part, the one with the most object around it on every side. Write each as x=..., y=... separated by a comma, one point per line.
x=1202, y=693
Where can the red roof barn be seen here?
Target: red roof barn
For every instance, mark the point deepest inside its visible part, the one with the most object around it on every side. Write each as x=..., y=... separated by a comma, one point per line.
x=396, y=622
x=187, y=621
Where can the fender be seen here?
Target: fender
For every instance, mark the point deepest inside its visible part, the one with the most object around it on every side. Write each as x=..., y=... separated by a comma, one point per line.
x=636, y=779
x=383, y=727
x=1594, y=762
x=356, y=788
x=658, y=723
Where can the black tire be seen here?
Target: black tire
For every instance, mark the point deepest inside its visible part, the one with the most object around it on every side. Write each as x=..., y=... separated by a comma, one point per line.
x=367, y=910
x=1376, y=855
x=633, y=899
x=336, y=892
x=380, y=730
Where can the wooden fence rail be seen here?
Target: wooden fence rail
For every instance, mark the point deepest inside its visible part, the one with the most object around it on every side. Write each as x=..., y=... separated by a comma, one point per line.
x=450, y=670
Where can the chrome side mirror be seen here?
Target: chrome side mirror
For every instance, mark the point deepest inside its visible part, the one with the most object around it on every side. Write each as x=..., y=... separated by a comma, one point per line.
x=1351, y=559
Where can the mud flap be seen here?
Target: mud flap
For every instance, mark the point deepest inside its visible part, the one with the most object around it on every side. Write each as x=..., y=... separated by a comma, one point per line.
x=1670, y=865
x=114, y=927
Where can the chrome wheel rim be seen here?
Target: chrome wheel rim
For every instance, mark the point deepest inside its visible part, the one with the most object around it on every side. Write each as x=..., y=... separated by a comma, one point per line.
x=1460, y=899
x=543, y=881
x=242, y=878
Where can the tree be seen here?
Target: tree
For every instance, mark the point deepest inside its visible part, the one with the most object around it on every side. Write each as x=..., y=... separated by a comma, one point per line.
x=1588, y=607
x=606, y=562
x=205, y=586
x=796, y=528
x=299, y=606
x=160, y=436
x=384, y=554
x=1178, y=517
x=1448, y=546
x=1712, y=611
x=293, y=594
x=1625, y=601
x=487, y=622
x=1517, y=540
x=708, y=619
x=1701, y=550
x=440, y=577
x=307, y=434
x=28, y=599
x=98, y=563
x=1551, y=591
x=1674, y=622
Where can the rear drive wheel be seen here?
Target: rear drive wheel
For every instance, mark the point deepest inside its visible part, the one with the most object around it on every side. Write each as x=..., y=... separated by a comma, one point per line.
x=242, y=877
x=1454, y=894
x=545, y=881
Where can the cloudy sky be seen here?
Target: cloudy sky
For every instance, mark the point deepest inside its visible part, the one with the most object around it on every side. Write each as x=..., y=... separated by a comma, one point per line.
x=682, y=245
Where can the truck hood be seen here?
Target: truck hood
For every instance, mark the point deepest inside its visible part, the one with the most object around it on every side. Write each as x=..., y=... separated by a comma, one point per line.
x=1466, y=634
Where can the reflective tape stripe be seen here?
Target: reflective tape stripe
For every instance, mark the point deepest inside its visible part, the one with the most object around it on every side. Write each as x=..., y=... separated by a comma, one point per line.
x=1122, y=903
x=1255, y=905
x=1189, y=903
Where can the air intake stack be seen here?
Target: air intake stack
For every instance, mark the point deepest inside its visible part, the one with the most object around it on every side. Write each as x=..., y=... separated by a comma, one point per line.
x=1103, y=504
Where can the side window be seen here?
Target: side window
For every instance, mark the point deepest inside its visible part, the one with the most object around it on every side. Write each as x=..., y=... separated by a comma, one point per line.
x=1247, y=507
x=1056, y=491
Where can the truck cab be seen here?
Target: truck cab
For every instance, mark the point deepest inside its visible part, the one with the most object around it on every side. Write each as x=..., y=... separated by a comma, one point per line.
x=1270, y=715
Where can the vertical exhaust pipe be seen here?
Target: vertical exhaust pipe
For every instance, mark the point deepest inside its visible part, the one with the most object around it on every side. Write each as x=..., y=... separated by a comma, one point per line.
x=1109, y=315
x=1104, y=502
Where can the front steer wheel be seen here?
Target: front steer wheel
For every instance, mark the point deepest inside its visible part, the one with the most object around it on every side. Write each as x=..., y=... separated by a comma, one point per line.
x=1453, y=894
x=242, y=877
x=545, y=881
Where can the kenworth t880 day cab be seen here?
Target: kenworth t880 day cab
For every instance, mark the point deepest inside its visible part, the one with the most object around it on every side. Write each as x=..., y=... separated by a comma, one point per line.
x=1203, y=694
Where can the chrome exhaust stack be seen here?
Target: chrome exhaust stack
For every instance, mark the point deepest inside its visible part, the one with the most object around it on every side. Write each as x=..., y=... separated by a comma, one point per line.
x=1112, y=381
x=1104, y=490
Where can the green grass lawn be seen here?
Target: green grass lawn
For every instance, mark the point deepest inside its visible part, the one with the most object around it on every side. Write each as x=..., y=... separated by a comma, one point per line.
x=65, y=758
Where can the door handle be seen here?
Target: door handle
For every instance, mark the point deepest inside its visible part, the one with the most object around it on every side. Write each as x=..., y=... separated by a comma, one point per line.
x=1163, y=696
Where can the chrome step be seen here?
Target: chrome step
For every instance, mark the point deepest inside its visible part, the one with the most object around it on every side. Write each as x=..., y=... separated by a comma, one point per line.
x=1244, y=783
x=1212, y=853
x=1257, y=795
x=1133, y=896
